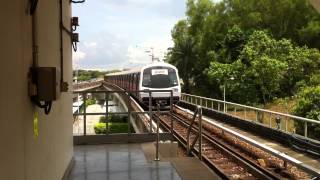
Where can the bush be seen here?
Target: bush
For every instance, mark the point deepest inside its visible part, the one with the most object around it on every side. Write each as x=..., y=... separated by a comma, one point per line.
x=103, y=119
x=118, y=127
x=114, y=118
x=100, y=128
x=90, y=102
x=308, y=105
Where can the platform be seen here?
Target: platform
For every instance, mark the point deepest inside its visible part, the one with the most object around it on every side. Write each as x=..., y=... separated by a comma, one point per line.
x=132, y=162
x=189, y=168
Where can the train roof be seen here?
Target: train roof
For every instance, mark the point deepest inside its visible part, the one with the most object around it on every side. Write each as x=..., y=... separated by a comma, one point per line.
x=139, y=69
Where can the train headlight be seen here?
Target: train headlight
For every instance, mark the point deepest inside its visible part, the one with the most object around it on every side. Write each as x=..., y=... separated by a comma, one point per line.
x=175, y=90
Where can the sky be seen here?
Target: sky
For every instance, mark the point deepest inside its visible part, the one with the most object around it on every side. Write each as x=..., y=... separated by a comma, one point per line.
x=115, y=34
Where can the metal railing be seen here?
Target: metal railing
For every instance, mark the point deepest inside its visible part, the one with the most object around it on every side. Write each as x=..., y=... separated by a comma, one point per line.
x=125, y=95
x=87, y=84
x=275, y=120
x=197, y=113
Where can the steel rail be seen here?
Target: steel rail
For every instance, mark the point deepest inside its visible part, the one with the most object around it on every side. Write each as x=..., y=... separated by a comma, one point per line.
x=257, y=172
x=280, y=155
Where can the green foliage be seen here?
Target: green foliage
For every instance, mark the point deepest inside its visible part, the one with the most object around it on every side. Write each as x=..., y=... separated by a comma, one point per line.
x=118, y=127
x=114, y=118
x=183, y=54
x=90, y=102
x=308, y=105
x=265, y=45
x=100, y=128
x=259, y=69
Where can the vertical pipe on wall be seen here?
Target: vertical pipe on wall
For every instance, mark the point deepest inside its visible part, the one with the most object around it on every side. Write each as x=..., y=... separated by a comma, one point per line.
x=63, y=87
x=34, y=41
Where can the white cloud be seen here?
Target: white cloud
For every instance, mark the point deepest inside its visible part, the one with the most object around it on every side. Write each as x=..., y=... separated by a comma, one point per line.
x=138, y=54
x=90, y=44
x=77, y=56
x=116, y=33
x=148, y=2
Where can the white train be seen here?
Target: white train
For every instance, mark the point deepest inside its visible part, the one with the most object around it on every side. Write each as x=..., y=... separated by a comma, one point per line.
x=155, y=76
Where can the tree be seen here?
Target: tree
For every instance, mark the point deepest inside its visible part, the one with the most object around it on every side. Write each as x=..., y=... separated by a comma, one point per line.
x=266, y=45
x=183, y=54
x=308, y=105
x=258, y=67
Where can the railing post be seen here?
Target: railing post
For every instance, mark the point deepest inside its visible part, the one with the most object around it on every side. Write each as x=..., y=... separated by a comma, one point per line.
x=278, y=121
x=286, y=124
x=157, y=136
x=305, y=129
x=206, y=103
x=200, y=134
x=150, y=111
x=190, y=129
x=171, y=112
x=270, y=120
x=245, y=113
x=107, y=112
x=129, y=114
x=218, y=106
x=84, y=114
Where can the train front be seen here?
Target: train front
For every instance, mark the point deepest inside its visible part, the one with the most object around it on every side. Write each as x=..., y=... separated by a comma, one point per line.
x=160, y=76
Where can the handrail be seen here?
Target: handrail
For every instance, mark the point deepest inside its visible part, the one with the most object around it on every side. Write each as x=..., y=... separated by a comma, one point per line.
x=157, y=137
x=255, y=108
x=189, y=129
x=198, y=112
x=126, y=94
x=189, y=98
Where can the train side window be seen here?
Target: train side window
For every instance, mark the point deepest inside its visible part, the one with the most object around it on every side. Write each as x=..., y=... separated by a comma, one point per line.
x=146, y=81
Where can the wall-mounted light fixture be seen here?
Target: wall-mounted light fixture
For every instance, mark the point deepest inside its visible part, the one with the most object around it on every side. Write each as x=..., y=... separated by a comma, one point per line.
x=74, y=23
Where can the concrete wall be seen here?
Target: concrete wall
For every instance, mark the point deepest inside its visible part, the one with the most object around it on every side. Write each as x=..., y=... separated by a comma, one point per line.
x=22, y=155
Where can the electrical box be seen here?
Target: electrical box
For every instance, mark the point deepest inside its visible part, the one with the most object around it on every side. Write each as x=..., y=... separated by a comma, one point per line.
x=47, y=83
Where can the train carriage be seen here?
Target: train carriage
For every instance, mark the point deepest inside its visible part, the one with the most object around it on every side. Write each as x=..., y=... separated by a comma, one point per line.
x=154, y=76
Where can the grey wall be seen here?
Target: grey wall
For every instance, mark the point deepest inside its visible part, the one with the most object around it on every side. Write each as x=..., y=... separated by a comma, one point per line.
x=22, y=155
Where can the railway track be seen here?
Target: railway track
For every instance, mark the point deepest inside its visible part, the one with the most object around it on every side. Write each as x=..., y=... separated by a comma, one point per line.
x=225, y=156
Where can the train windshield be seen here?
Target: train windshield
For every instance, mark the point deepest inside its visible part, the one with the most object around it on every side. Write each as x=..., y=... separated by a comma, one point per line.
x=159, y=77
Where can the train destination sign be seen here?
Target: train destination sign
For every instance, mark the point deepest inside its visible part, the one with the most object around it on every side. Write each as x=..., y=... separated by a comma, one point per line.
x=159, y=72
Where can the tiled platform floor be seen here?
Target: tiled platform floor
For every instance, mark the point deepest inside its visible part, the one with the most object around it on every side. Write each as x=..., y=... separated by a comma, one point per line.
x=118, y=162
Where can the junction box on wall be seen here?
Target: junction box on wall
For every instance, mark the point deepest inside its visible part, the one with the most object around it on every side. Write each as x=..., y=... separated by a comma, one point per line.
x=44, y=86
